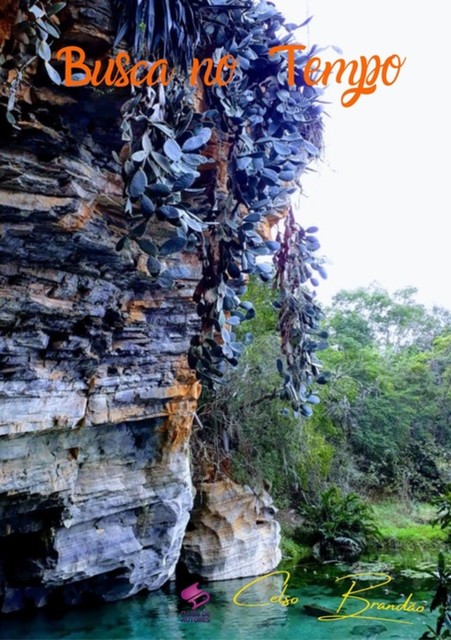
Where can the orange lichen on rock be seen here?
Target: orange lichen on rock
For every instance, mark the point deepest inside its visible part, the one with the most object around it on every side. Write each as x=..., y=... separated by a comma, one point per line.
x=267, y=224
x=76, y=220
x=182, y=406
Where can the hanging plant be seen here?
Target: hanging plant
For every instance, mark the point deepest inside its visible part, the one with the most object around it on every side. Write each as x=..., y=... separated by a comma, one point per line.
x=160, y=29
x=220, y=208
x=35, y=30
x=271, y=133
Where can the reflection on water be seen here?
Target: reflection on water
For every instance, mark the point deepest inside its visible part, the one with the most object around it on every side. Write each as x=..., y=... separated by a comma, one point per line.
x=158, y=616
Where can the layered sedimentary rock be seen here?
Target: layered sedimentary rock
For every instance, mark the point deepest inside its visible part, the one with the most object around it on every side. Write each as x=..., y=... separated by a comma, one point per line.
x=96, y=398
x=232, y=533
x=90, y=512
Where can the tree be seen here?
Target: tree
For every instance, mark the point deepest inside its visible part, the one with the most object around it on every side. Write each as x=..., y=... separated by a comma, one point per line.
x=392, y=321
x=389, y=387
x=249, y=431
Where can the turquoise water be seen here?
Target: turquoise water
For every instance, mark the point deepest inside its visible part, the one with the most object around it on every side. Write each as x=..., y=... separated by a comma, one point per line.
x=159, y=615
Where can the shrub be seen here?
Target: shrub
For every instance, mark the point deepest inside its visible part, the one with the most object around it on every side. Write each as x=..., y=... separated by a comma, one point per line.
x=443, y=504
x=441, y=601
x=339, y=526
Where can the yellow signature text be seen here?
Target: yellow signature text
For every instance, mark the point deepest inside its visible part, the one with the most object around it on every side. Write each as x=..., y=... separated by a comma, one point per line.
x=282, y=599
x=368, y=607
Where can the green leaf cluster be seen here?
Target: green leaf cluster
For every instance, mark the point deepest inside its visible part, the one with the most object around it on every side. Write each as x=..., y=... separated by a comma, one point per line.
x=389, y=391
x=441, y=601
x=337, y=515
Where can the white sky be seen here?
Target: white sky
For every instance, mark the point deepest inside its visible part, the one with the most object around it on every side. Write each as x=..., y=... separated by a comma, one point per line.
x=381, y=194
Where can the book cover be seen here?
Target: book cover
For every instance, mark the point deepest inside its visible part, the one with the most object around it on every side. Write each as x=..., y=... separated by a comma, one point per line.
x=225, y=347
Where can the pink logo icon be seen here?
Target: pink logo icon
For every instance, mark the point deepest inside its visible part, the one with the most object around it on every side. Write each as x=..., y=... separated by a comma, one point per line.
x=195, y=596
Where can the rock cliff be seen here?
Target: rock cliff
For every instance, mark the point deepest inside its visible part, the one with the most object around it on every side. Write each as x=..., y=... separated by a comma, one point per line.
x=96, y=397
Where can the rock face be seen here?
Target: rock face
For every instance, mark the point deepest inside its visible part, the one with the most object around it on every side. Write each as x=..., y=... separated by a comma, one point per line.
x=94, y=511
x=340, y=548
x=96, y=397
x=232, y=533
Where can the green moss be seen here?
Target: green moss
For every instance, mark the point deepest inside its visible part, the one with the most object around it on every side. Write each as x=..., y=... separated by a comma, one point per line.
x=406, y=534
x=292, y=551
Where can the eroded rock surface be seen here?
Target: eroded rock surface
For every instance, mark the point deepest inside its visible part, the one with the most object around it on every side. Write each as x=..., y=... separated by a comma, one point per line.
x=232, y=533
x=90, y=512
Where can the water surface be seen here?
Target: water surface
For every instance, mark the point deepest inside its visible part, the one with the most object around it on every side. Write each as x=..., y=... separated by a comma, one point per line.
x=160, y=615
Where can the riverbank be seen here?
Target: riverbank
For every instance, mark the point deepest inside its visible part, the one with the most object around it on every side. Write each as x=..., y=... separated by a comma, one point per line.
x=406, y=529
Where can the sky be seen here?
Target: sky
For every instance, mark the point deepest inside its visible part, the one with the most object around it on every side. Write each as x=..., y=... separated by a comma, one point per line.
x=380, y=194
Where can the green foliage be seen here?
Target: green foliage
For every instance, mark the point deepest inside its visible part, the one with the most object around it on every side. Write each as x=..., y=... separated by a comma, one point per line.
x=389, y=391
x=406, y=528
x=382, y=425
x=389, y=321
x=337, y=515
x=441, y=601
x=293, y=550
x=443, y=505
x=248, y=426
x=262, y=296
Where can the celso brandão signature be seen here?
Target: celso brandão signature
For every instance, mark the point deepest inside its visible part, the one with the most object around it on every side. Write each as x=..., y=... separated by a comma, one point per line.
x=357, y=605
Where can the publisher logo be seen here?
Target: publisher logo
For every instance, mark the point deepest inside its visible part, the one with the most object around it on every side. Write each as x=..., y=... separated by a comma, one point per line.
x=197, y=598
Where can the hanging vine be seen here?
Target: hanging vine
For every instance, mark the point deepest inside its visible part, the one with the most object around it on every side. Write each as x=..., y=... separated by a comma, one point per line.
x=268, y=133
x=271, y=133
